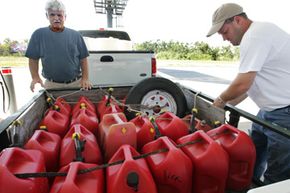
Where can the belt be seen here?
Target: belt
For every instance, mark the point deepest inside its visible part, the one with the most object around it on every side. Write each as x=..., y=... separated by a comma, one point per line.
x=65, y=82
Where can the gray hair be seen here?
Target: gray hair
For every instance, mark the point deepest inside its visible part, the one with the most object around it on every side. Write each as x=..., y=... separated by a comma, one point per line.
x=54, y=5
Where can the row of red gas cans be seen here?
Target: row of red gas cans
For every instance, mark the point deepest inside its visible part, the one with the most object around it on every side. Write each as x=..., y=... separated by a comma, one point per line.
x=59, y=120
x=197, y=163
x=113, y=125
x=220, y=159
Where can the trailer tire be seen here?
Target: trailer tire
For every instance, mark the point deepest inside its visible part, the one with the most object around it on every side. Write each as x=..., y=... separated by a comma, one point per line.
x=158, y=93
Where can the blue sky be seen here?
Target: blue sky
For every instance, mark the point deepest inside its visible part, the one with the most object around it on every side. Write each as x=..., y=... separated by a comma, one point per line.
x=182, y=20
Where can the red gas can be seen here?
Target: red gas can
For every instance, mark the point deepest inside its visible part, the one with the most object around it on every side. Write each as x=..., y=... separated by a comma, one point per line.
x=15, y=161
x=90, y=149
x=87, y=118
x=101, y=106
x=55, y=122
x=172, y=169
x=242, y=154
x=130, y=176
x=202, y=125
x=186, y=119
x=63, y=106
x=210, y=162
x=114, y=131
x=106, y=106
x=83, y=102
x=172, y=126
x=90, y=182
x=48, y=143
x=111, y=108
x=145, y=130
x=198, y=124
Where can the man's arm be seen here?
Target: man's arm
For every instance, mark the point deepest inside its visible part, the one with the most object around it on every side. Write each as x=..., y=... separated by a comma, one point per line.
x=33, y=67
x=236, y=101
x=237, y=90
x=85, y=82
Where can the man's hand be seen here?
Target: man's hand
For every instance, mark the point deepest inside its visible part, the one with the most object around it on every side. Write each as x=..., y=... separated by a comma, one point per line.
x=34, y=82
x=219, y=102
x=86, y=84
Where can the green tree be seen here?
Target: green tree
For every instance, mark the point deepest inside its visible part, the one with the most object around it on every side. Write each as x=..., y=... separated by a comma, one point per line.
x=5, y=47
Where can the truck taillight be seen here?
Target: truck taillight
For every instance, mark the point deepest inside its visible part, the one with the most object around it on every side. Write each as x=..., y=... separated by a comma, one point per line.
x=6, y=71
x=153, y=66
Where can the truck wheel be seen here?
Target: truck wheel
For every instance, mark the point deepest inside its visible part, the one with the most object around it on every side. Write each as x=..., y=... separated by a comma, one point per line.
x=154, y=96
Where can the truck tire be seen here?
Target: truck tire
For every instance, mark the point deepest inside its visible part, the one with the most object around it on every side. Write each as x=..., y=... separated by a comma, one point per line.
x=155, y=95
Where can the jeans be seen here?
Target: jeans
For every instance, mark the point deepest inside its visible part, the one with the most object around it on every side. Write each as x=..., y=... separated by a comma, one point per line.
x=273, y=149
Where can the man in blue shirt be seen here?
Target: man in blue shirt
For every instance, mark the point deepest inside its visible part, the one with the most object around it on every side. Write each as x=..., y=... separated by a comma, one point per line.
x=62, y=51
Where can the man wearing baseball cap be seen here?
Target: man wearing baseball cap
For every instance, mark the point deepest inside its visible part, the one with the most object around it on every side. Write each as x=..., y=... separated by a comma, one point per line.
x=264, y=76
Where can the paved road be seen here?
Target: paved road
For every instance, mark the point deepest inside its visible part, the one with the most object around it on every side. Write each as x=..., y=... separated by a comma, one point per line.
x=210, y=80
x=192, y=75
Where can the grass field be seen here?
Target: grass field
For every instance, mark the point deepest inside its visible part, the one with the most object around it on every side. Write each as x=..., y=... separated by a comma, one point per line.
x=13, y=61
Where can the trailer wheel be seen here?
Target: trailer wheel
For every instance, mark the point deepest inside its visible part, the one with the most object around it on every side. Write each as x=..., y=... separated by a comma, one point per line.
x=154, y=96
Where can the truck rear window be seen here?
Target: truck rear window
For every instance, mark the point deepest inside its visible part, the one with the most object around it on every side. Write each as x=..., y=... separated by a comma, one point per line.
x=105, y=34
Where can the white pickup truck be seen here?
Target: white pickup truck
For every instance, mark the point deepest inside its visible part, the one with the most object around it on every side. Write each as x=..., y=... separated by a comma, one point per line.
x=113, y=61
x=152, y=97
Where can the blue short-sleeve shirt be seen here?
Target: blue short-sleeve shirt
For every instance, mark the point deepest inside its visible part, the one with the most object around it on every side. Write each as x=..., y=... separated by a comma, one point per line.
x=60, y=52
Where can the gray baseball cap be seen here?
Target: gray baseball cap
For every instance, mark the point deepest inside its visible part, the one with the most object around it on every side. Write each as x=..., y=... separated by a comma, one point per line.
x=223, y=13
